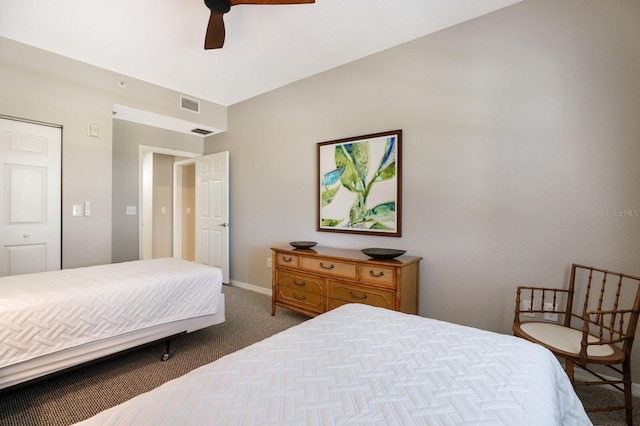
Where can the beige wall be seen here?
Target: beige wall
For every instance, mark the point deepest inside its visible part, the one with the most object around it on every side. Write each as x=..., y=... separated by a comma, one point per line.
x=41, y=86
x=188, y=212
x=162, y=205
x=521, y=132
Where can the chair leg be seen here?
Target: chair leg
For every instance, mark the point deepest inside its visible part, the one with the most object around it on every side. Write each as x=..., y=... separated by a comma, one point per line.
x=628, y=398
x=568, y=368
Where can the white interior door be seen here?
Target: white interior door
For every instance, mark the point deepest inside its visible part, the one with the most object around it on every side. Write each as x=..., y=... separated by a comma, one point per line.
x=30, y=193
x=212, y=211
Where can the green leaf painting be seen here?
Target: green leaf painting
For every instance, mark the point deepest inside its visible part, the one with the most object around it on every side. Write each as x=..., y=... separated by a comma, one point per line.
x=358, y=184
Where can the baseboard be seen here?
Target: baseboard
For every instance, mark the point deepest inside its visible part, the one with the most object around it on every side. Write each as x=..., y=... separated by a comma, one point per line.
x=252, y=287
x=583, y=376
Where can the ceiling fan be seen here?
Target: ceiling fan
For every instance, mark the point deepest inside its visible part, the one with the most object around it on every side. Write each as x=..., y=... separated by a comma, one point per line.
x=215, y=30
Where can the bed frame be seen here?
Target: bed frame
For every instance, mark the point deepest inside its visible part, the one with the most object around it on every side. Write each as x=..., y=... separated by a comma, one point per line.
x=46, y=366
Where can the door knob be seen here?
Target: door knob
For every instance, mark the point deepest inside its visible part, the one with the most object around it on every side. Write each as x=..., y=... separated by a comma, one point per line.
x=224, y=225
x=26, y=235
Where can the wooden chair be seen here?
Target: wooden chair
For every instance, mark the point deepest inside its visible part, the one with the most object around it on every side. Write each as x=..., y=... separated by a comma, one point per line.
x=592, y=322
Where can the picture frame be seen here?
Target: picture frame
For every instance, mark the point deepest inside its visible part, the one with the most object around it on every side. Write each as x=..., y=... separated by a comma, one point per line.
x=359, y=186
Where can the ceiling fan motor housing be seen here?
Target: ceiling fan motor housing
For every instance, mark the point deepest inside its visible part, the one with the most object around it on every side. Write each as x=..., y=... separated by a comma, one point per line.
x=220, y=6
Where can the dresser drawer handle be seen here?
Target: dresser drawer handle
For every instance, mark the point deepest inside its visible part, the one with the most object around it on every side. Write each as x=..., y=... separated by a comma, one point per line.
x=302, y=284
x=378, y=275
x=295, y=296
x=327, y=267
x=287, y=259
x=363, y=297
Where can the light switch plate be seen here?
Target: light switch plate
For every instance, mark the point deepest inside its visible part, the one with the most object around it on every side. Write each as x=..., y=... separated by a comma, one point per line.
x=93, y=130
x=77, y=209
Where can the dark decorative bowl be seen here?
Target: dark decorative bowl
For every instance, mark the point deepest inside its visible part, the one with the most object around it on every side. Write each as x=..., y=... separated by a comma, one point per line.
x=383, y=253
x=303, y=244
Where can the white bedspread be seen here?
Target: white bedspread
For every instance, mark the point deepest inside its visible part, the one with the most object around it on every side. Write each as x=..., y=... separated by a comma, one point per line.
x=363, y=365
x=47, y=312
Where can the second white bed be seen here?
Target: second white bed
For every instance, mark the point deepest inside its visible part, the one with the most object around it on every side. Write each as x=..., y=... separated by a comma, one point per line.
x=362, y=365
x=54, y=320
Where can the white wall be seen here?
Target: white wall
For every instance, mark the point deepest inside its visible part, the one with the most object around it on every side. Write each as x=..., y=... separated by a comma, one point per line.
x=521, y=148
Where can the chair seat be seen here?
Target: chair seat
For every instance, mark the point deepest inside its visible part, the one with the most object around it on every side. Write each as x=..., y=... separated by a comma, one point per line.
x=564, y=339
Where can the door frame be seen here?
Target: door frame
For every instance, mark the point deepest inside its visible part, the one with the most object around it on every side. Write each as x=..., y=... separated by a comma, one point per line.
x=142, y=149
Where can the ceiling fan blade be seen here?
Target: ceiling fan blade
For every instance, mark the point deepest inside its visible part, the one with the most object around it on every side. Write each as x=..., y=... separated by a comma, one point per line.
x=215, y=32
x=214, y=38
x=235, y=2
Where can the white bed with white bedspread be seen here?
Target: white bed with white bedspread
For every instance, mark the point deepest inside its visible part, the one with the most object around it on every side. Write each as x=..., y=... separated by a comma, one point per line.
x=53, y=320
x=363, y=365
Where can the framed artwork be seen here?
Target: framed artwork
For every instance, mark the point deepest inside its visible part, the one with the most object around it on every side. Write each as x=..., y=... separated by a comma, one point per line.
x=360, y=184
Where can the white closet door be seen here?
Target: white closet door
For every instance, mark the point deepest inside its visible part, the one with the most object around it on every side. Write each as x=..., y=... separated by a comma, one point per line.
x=30, y=197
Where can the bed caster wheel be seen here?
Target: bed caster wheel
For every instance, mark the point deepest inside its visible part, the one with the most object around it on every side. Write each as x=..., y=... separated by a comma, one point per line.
x=167, y=354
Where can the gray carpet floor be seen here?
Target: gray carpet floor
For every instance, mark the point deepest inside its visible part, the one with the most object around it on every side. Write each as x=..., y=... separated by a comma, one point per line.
x=79, y=394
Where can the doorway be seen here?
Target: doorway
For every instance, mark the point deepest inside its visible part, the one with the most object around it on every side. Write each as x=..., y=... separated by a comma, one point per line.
x=210, y=208
x=156, y=213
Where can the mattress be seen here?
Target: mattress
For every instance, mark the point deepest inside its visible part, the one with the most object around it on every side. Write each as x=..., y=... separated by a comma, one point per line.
x=363, y=365
x=50, y=312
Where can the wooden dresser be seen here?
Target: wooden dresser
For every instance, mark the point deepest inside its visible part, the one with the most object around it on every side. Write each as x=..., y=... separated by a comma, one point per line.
x=313, y=281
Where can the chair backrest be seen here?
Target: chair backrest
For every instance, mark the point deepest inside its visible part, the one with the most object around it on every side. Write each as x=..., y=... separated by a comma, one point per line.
x=606, y=302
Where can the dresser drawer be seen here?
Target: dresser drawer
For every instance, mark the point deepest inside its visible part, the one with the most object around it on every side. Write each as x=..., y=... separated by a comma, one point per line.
x=286, y=259
x=341, y=293
x=295, y=297
x=329, y=267
x=301, y=282
x=377, y=274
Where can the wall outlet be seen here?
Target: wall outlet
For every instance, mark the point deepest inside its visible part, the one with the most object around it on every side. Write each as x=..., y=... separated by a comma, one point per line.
x=550, y=316
x=526, y=304
x=268, y=262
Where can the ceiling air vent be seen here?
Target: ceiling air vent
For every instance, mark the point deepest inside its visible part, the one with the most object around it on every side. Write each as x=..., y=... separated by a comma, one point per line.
x=202, y=132
x=189, y=104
